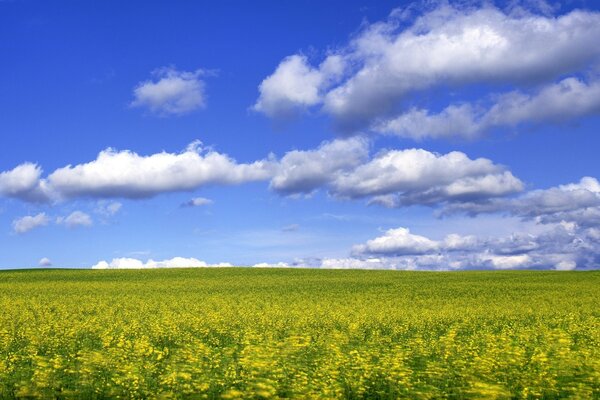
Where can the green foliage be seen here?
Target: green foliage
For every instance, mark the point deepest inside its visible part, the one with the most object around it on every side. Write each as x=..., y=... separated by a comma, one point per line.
x=249, y=333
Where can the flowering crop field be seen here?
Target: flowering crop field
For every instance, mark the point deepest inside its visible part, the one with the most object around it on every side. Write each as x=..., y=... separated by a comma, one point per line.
x=299, y=333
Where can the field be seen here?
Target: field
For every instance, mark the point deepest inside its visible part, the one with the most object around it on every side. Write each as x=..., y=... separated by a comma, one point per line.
x=249, y=333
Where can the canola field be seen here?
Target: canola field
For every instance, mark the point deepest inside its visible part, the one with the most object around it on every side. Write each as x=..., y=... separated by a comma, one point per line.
x=248, y=333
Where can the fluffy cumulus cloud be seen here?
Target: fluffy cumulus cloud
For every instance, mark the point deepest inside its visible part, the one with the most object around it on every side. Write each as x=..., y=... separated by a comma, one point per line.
x=400, y=241
x=29, y=222
x=172, y=92
x=305, y=171
x=558, y=246
x=567, y=99
x=45, y=262
x=296, y=85
x=390, y=62
x=415, y=176
x=393, y=178
x=576, y=202
x=75, y=219
x=23, y=182
x=273, y=265
x=330, y=263
x=134, y=263
x=343, y=167
x=126, y=174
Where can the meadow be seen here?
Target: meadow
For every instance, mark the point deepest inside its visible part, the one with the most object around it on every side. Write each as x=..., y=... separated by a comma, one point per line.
x=298, y=333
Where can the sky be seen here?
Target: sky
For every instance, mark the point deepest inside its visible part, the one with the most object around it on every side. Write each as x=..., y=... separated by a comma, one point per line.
x=421, y=135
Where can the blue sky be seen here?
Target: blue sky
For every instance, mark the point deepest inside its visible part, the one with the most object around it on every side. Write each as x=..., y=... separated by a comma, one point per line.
x=343, y=134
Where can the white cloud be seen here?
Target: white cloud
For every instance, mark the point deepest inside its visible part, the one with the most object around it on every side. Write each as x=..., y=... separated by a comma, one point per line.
x=566, y=265
x=353, y=263
x=295, y=85
x=23, y=182
x=450, y=45
x=393, y=178
x=342, y=167
x=508, y=262
x=575, y=202
x=558, y=246
x=564, y=100
x=29, y=222
x=567, y=99
x=134, y=263
x=45, y=262
x=272, y=265
x=418, y=124
x=197, y=202
x=174, y=93
x=75, y=219
x=108, y=208
x=398, y=241
x=126, y=174
x=305, y=171
x=416, y=176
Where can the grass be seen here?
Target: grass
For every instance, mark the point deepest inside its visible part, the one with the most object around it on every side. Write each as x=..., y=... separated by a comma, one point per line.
x=250, y=333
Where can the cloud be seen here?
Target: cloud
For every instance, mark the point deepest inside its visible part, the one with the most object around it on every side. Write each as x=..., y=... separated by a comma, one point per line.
x=23, y=182
x=125, y=174
x=134, y=263
x=108, y=208
x=390, y=63
x=393, y=178
x=400, y=241
x=302, y=172
x=45, y=262
x=342, y=167
x=29, y=222
x=295, y=85
x=353, y=263
x=173, y=93
x=272, y=265
x=197, y=202
x=558, y=246
x=75, y=219
x=399, y=178
x=576, y=202
x=567, y=99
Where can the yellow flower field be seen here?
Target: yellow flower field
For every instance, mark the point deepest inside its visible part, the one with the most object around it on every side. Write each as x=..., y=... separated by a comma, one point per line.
x=247, y=333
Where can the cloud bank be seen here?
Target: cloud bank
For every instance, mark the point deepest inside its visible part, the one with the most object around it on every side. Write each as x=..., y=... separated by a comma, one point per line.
x=127, y=174
x=575, y=202
x=389, y=64
x=134, y=263
x=561, y=246
x=568, y=99
x=345, y=168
